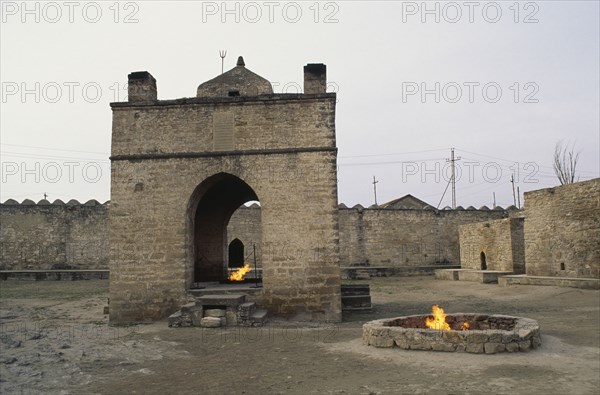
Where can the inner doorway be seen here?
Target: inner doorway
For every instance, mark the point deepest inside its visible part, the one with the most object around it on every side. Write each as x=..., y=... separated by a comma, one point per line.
x=236, y=253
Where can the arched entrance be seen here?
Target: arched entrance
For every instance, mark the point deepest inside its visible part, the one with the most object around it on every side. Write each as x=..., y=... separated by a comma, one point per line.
x=483, y=260
x=236, y=253
x=211, y=206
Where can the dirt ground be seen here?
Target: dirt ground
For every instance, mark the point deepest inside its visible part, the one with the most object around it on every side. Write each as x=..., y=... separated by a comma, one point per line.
x=55, y=340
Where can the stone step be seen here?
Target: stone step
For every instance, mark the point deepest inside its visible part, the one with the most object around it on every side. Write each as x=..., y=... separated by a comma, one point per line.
x=362, y=274
x=481, y=276
x=357, y=309
x=350, y=302
x=221, y=300
x=222, y=289
x=245, y=310
x=355, y=289
x=259, y=316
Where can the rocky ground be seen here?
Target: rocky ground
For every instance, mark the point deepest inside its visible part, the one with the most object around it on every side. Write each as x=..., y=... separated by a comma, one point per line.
x=55, y=339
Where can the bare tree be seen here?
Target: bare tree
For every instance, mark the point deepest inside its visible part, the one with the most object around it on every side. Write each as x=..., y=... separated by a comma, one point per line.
x=565, y=163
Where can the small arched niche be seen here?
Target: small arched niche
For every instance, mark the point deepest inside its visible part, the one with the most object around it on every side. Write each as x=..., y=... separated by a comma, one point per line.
x=483, y=260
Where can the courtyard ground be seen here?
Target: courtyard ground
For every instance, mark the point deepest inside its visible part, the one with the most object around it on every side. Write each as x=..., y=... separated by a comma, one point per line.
x=55, y=339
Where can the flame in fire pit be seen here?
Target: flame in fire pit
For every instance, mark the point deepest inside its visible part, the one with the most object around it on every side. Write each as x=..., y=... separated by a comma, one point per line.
x=439, y=320
x=239, y=274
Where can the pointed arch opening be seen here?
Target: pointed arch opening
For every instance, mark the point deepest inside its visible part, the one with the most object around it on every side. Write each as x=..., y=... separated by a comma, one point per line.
x=212, y=204
x=483, y=260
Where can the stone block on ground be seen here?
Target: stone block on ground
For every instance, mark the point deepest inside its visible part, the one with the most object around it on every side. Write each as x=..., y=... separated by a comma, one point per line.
x=210, y=322
x=175, y=319
x=259, y=317
x=188, y=308
x=197, y=317
x=475, y=348
x=214, y=313
x=493, y=348
x=231, y=317
x=512, y=347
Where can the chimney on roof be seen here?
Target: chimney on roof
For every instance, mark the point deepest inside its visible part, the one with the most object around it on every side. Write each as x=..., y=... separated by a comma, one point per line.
x=141, y=87
x=315, y=78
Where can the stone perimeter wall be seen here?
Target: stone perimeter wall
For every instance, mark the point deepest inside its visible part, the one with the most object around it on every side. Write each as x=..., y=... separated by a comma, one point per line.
x=381, y=237
x=40, y=236
x=562, y=227
x=368, y=237
x=502, y=242
x=48, y=236
x=397, y=238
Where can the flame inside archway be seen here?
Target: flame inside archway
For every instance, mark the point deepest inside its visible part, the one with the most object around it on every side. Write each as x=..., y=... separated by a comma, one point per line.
x=239, y=274
x=438, y=321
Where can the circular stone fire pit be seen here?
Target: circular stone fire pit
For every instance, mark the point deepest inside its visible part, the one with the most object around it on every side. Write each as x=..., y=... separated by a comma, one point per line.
x=488, y=334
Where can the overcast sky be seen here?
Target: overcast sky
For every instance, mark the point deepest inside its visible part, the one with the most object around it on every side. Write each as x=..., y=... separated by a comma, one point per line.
x=501, y=82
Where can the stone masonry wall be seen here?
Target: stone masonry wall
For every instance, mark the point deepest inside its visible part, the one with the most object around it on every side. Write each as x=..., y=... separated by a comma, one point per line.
x=47, y=236
x=388, y=237
x=245, y=225
x=395, y=238
x=500, y=240
x=562, y=230
x=517, y=231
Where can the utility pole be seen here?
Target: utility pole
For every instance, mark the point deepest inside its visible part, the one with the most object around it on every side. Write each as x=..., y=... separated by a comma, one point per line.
x=375, y=189
x=453, y=178
x=222, y=54
x=512, y=181
x=494, y=205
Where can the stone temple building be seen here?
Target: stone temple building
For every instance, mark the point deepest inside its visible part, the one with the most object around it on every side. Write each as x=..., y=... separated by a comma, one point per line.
x=181, y=168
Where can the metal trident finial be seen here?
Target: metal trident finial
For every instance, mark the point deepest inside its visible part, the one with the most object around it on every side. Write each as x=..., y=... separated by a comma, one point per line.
x=222, y=54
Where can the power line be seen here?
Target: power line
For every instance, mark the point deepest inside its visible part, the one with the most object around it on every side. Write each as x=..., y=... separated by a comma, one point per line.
x=538, y=172
x=393, y=154
x=395, y=162
x=33, y=156
x=55, y=149
x=516, y=161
